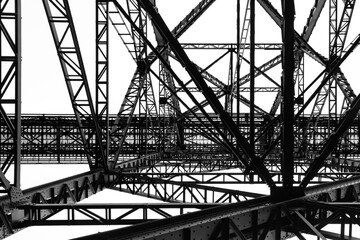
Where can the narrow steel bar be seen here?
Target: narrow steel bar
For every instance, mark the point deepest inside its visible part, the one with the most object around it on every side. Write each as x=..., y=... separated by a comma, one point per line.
x=237, y=70
x=313, y=18
x=17, y=163
x=252, y=74
x=287, y=143
x=229, y=46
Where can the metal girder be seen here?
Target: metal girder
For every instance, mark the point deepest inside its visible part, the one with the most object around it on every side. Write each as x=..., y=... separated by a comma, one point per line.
x=190, y=175
x=192, y=17
x=253, y=219
x=173, y=191
x=10, y=90
x=193, y=161
x=109, y=214
x=102, y=58
x=341, y=28
x=240, y=213
x=53, y=139
x=209, y=95
x=252, y=76
x=175, y=228
x=287, y=84
x=68, y=190
x=313, y=18
x=64, y=35
x=230, y=46
x=102, y=71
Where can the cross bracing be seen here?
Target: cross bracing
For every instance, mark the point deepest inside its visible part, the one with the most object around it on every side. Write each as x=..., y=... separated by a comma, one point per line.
x=220, y=101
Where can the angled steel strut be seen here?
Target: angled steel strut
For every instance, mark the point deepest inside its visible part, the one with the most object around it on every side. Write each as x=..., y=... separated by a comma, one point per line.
x=59, y=16
x=208, y=93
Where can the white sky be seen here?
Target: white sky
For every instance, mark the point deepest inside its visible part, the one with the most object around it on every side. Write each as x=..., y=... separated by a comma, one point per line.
x=44, y=89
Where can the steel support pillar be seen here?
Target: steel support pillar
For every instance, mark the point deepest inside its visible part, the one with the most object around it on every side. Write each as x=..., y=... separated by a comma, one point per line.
x=287, y=191
x=252, y=73
x=10, y=90
x=102, y=71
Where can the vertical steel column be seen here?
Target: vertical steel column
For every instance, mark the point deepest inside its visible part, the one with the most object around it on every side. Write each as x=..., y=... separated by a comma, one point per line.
x=10, y=88
x=288, y=93
x=102, y=71
x=332, y=85
x=238, y=41
x=229, y=93
x=252, y=73
x=300, y=136
x=18, y=93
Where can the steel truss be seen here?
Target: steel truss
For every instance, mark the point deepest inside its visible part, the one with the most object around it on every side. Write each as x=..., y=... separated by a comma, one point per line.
x=10, y=92
x=187, y=135
x=258, y=218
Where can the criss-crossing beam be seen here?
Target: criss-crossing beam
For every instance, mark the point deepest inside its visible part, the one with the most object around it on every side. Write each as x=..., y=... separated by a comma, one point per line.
x=133, y=94
x=208, y=93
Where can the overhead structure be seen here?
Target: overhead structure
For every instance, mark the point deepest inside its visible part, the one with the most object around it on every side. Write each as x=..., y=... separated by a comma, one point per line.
x=248, y=100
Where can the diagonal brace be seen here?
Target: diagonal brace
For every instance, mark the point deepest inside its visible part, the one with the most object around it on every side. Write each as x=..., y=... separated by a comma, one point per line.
x=258, y=166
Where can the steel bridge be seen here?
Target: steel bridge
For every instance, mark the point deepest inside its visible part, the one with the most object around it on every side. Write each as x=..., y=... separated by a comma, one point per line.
x=200, y=119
